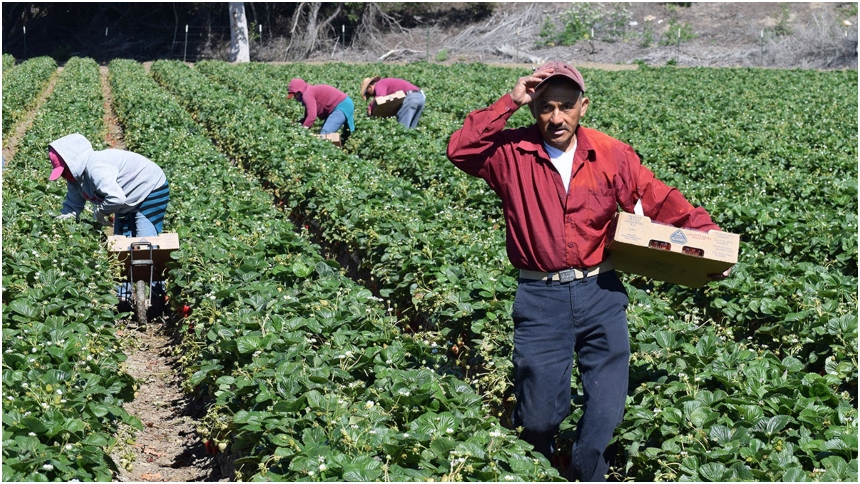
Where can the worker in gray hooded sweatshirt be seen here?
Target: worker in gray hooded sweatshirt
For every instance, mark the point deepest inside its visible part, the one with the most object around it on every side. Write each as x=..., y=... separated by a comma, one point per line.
x=122, y=184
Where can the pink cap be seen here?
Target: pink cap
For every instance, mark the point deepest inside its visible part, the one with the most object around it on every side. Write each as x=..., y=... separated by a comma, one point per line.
x=562, y=69
x=58, y=164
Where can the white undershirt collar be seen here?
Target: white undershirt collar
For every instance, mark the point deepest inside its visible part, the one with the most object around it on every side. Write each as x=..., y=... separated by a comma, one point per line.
x=562, y=161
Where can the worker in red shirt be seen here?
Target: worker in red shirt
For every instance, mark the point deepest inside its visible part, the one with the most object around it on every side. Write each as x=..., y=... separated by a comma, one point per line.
x=325, y=102
x=560, y=185
x=413, y=104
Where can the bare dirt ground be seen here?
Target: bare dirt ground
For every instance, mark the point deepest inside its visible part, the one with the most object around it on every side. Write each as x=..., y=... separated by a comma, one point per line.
x=167, y=449
x=816, y=35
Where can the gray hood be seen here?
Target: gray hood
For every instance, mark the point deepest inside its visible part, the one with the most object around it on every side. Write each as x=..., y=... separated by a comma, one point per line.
x=75, y=150
x=117, y=181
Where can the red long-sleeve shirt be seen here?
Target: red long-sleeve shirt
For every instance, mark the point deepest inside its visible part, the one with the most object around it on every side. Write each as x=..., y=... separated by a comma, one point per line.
x=550, y=230
x=390, y=85
x=320, y=101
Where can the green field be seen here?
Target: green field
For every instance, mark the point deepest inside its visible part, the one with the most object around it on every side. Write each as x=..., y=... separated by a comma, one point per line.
x=351, y=307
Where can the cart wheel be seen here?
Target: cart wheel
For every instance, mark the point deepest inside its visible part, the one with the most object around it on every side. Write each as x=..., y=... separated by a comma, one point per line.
x=140, y=301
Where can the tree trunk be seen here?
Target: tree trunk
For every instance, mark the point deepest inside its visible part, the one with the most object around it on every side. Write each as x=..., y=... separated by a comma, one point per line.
x=374, y=22
x=308, y=31
x=239, y=50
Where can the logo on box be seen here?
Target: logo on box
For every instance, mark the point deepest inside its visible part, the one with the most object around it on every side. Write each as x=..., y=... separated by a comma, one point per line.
x=678, y=237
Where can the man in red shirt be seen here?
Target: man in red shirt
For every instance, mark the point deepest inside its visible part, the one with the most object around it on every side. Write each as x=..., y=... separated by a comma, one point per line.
x=325, y=102
x=413, y=104
x=560, y=185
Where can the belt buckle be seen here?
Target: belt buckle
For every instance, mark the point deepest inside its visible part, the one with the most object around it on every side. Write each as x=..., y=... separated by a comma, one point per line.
x=567, y=275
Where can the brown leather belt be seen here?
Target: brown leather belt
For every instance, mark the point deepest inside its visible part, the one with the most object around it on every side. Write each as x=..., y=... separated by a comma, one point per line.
x=568, y=275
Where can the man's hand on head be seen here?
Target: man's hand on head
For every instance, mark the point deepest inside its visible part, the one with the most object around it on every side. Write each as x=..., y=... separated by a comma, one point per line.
x=524, y=90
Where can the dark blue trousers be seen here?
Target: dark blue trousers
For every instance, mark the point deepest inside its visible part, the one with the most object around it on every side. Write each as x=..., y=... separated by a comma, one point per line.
x=552, y=321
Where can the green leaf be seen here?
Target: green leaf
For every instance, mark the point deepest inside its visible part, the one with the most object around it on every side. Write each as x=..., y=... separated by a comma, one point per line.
x=362, y=469
x=665, y=339
x=442, y=445
x=673, y=415
x=700, y=416
x=473, y=448
x=741, y=472
x=713, y=472
x=96, y=439
x=301, y=270
x=837, y=470
x=721, y=434
x=98, y=409
x=776, y=423
x=74, y=425
x=27, y=443
x=226, y=380
x=313, y=436
x=23, y=308
x=34, y=425
x=795, y=474
x=248, y=344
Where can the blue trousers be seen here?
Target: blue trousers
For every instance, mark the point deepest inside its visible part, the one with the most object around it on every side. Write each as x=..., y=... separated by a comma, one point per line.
x=147, y=220
x=411, y=109
x=552, y=321
x=342, y=116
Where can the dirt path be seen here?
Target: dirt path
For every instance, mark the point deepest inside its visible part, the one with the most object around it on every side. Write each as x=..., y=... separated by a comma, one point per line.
x=113, y=136
x=167, y=449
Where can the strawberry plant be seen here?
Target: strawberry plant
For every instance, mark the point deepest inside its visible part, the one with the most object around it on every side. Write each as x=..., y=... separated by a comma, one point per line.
x=310, y=376
x=62, y=386
x=402, y=373
x=8, y=63
x=22, y=86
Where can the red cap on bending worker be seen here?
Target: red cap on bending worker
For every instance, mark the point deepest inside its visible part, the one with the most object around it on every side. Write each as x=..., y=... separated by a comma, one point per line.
x=60, y=168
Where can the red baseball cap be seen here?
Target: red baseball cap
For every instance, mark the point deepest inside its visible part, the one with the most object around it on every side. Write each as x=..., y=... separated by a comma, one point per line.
x=562, y=69
x=58, y=164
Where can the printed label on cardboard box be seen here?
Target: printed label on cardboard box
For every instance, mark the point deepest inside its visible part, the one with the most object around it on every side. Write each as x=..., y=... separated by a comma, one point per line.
x=666, y=253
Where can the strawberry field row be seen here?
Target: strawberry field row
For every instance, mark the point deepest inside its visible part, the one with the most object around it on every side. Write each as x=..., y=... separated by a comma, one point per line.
x=21, y=87
x=392, y=228
x=62, y=385
x=310, y=376
x=752, y=378
x=8, y=63
x=800, y=351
